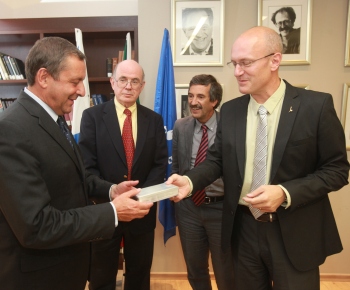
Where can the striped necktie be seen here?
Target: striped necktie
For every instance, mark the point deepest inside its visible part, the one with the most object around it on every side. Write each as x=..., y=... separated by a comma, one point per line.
x=260, y=157
x=199, y=196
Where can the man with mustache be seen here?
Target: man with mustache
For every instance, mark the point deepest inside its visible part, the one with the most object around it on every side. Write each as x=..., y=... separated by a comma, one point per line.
x=202, y=42
x=200, y=222
x=284, y=19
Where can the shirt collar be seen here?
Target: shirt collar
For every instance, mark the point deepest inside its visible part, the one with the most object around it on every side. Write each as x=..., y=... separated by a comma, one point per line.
x=210, y=123
x=272, y=101
x=120, y=108
x=45, y=106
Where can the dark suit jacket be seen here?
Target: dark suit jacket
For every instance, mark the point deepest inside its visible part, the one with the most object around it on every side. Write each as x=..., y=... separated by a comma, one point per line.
x=44, y=224
x=309, y=160
x=103, y=151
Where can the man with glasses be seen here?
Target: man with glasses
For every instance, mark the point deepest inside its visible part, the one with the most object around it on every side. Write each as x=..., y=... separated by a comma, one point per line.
x=273, y=149
x=284, y=19
x=106, y=131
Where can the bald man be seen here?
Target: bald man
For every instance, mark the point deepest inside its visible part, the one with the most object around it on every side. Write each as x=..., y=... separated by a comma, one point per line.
x=101, y=143
x=283, y=247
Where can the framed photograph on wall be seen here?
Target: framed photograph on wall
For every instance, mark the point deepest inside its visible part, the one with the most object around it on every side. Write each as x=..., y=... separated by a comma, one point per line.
x=182, y=109
x=345, y=114
x=291, y=19
x=347, y=46
x=197, y=32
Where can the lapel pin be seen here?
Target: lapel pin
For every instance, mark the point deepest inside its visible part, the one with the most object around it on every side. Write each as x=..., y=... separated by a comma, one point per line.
x=290, y=109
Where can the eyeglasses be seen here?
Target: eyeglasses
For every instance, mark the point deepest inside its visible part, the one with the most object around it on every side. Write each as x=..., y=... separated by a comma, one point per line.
x=245, y=63
x=284, y=22
x=123, y=82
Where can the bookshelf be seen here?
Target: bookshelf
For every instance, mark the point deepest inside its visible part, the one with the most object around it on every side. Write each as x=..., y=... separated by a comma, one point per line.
x=103, y=37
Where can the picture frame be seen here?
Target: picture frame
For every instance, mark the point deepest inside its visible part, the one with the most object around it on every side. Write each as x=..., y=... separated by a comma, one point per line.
x=347, y=44
x=197, y=32
x=181, y=95
x=297, y=48
x=345, y=114
x=302, y=86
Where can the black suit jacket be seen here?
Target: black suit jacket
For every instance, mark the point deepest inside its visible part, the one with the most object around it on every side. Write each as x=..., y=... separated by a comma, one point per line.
x=45, y=223
x=309, y=160
x=103, y=152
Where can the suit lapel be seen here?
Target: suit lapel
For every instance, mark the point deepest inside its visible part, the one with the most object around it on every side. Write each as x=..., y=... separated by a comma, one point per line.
x=49, y=125
x=289, y=112
x=142, y=129
x=241, y=129
x=188, y=135
x=111, y=121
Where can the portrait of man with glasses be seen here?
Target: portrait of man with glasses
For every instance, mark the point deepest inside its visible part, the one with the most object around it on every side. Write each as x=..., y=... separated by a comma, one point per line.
x=284, y=19
x=123, y=140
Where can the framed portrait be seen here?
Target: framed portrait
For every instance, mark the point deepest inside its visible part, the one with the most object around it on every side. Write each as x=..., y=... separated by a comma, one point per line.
x=347, y=48
x=182, y=109
x=291, y=19
x=345, y=114
x=197, y=32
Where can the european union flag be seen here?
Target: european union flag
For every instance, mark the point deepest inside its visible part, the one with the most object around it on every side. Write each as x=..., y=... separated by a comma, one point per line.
x=165, y=105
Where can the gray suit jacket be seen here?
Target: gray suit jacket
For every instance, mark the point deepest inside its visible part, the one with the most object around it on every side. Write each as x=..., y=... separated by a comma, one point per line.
x=309, y=160
x=45, y=222
x=182, y=151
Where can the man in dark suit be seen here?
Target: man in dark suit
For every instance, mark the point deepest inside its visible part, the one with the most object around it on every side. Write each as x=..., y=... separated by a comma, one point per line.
x=200, y=223
x=45, y=223
x=101, y=143
x=306, y=159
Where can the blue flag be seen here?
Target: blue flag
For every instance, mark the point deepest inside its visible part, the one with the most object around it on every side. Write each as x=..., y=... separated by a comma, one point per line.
x=165, y=105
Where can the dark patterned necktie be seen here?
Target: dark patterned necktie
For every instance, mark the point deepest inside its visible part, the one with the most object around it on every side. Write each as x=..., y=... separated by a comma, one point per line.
x=63, y=126
x=199, y=196
x=128, y=141
x=259, y=170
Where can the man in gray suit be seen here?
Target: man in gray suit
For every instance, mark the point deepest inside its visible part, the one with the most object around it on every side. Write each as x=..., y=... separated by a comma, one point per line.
x=45, y=221
x=200, y=224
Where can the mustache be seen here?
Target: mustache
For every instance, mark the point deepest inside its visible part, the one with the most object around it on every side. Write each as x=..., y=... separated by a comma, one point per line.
x=195, y=106
x=284, y=29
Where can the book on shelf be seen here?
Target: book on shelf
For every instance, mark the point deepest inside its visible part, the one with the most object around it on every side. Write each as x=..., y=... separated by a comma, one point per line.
x=11, y=68
x=98, y=99
x=6, y=66
x=19, y=65
x=109, y=65
x=5, y=103
x=3, y=73
x=120, y=56
x=114, y=63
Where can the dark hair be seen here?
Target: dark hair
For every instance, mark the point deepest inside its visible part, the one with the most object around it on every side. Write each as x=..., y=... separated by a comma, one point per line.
x=49, y=53
x=215, y=92
x=290, y=12
x=187, y=11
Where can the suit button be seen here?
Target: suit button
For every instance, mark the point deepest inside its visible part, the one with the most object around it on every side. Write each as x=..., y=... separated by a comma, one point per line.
x=125, y=176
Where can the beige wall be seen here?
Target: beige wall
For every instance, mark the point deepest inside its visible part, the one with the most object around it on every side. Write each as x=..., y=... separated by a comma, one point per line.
x=326, y=73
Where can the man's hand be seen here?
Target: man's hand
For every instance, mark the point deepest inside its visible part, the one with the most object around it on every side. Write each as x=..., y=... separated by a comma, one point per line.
x=122, y=187
x=128, y=208
x=182, y=183
x=266, y=198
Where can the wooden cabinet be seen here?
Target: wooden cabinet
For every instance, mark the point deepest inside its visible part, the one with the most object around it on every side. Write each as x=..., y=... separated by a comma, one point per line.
x=103, y=37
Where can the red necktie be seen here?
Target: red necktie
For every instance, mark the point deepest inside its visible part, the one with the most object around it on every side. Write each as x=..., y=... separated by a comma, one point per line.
x=128, y=141
x=199, y=196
